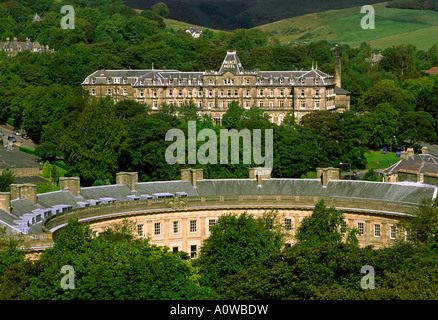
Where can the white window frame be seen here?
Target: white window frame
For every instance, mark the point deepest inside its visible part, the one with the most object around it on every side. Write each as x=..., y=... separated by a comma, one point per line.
x=157, y=228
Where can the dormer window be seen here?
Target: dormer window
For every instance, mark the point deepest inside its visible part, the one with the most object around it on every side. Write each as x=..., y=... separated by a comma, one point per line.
x=141, y=82
x=108, y=80
x=124, y=80
x=281, y=80
x=261, y=80
x=210, y=81
x=116, y=80
x=170, y=80
x=93, y=80
x=179, y=81
x=303, y=81
x=316, y=80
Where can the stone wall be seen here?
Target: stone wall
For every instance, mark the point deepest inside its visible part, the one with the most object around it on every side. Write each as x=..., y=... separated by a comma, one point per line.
x=25, y=172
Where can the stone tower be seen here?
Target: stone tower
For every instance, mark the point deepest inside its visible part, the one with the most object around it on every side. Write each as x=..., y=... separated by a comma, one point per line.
x=338, y=66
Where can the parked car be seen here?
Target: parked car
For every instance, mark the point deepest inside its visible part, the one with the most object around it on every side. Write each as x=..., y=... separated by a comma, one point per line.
x=17, y=132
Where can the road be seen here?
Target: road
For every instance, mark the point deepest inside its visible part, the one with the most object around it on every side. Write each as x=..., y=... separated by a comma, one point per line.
x=8, y=131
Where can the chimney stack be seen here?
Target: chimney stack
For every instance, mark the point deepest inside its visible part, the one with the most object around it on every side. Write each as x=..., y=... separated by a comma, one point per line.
x=260, y=173
x=338, y=66
x=410, y=153
x=129, y=178
x=5, y=201
x=192, y=175
x=24, y=191
x=71, y=183
x=327, y=174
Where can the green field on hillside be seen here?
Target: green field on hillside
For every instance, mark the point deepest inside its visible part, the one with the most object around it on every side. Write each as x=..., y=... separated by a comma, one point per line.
x=392, y=27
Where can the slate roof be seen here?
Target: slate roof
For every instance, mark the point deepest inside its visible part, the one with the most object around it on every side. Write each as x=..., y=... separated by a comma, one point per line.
x=23, y=210
x=421, y=163
x=231, y=63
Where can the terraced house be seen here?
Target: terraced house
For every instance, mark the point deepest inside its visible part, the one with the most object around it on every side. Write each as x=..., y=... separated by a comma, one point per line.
x=276, y=92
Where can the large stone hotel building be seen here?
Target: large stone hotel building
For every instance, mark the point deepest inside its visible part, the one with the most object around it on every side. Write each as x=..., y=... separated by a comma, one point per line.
x=276, y=92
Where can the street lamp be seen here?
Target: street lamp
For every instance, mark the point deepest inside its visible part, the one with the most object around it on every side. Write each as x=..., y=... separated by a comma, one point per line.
x=341, y=163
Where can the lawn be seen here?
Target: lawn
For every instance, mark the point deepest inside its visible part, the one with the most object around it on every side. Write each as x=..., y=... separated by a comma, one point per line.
x=379, y=160
x=392, y=27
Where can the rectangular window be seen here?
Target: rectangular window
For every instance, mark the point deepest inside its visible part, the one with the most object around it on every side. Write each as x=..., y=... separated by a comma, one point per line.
x=302, y=105
x=377, y=230
x=193, y=226
x=93, y=92
x=211, y=223
x=157, y=228
x=281, y=103
x=175, y=227
x=193, y=251
x=360, y=228
x=392, y=232
x=175, y=249
x=287, y=224
x=247, y=93
x=261, y=104
x=316, y=105
x=108, y=91
x=140, y=231
x=343, y=226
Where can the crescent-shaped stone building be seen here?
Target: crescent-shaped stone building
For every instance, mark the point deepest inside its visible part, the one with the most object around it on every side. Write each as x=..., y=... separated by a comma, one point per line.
x=179, y=214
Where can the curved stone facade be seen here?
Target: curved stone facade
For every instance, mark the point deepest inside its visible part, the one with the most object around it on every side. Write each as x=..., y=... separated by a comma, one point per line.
x=183, y=224
x=179, y=214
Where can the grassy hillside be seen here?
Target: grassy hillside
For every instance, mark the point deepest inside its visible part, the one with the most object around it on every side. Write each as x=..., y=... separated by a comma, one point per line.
x=234, y=14
x=392, y=27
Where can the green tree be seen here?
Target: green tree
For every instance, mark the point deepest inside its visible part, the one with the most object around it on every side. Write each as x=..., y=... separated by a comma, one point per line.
x=417, y=126
x=422, y=226
x=382, y=124
x=6, y=179
x=235, y=243
x=161, y=9
x=386, y=91
x=322, y=226
x=95, y=143
x=231, y=119
x=115, y=265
